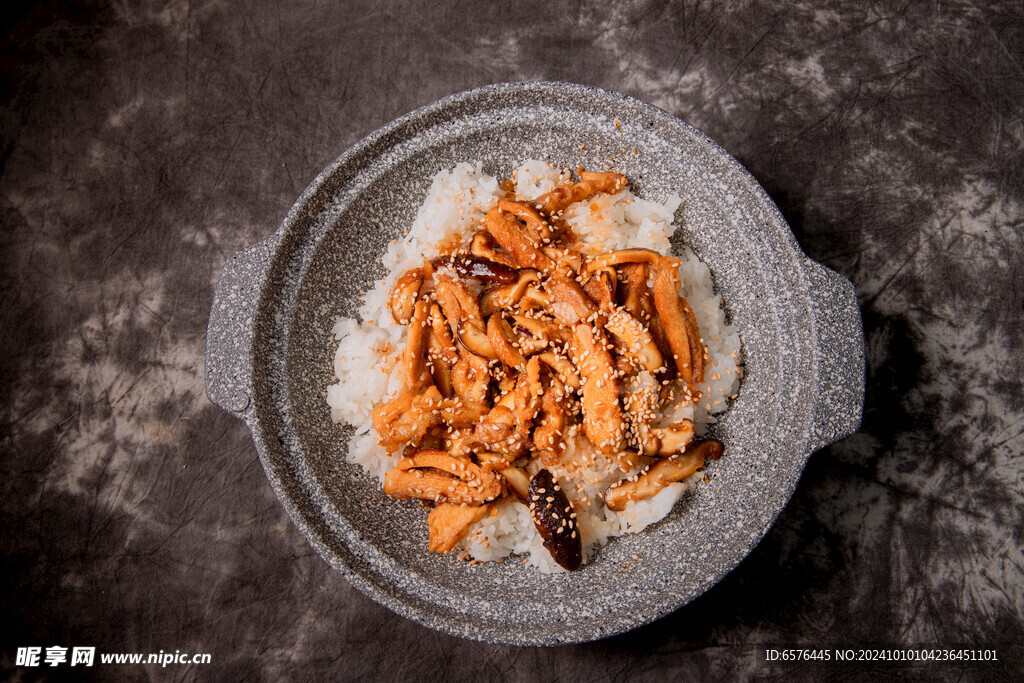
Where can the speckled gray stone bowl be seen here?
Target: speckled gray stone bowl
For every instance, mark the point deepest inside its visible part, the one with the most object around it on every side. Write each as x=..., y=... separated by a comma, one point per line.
x=269, y=361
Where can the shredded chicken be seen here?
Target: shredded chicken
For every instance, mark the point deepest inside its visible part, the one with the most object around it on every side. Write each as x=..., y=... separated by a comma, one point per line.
x=448, y=523
x=551, y=342
x=570, y=303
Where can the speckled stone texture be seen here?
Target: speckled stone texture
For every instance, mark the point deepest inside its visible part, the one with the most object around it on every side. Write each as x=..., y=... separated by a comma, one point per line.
x=145, y=143
x=274, y=372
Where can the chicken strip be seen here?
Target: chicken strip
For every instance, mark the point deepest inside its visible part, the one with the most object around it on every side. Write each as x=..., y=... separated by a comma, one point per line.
x=449, y=522
x=679, y=323
x=538, y=229
x=662, y=473
x=590, y=184
x=414, y=357
x=601, y=288
x=440, y=477
x=471, y=377
x=635, y=298
x=404, y=295
x=509, y=233
x=602, y=414
x=570, y=304
x=407, y=418
x=547, y=436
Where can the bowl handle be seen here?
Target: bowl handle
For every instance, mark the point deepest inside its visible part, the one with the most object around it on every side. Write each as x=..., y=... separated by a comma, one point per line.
x=229, y=333
x=840, y=355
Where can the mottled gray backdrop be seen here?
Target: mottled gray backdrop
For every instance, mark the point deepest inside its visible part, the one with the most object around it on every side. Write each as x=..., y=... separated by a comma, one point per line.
x=143, y=142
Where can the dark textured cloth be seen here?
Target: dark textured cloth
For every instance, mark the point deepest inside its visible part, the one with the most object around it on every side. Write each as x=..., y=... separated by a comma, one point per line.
x=144, y=142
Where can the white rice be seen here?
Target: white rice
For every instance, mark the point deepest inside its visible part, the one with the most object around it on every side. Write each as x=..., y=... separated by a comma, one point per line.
x=368, y=372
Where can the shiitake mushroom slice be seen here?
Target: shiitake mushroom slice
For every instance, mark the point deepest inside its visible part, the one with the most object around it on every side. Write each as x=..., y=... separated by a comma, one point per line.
x=555, y=520
x=478, y=268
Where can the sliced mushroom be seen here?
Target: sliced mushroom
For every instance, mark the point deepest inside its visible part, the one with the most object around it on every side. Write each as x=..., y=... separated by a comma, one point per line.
x=441, y=351
x=601, y=288
x=478, y=268
x=463, y=314
x=628, y=460
x=530, y=344
x=591, y=183
x=568, y=261
x=518, y=480
x=632, y=288
x=507, y=296
x=501, y=337
x=507, y=232
x=538, y=228
x=637, y=340
x=617, y=258
x=475, y=341
x=679, y=323
x=540, y=328
x=482, y=245
x=674, y=438
x=404, y=294
x=440, y=477
x=661, y=474
x=532, y=335
x=534, y=298
x=555, y=519
x=563, y=367
x=449, y=522
x=457, y=302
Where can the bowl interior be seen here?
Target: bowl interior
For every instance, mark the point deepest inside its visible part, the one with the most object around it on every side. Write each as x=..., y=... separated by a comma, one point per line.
x=331, y=255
